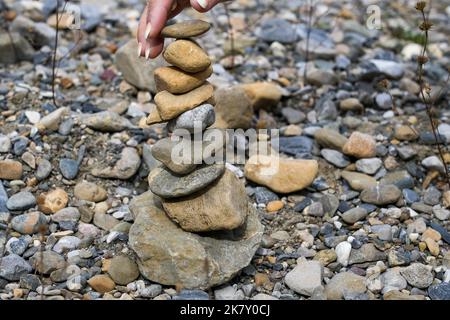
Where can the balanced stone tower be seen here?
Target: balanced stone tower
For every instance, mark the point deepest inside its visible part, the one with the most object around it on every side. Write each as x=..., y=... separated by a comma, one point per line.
x=195, y=228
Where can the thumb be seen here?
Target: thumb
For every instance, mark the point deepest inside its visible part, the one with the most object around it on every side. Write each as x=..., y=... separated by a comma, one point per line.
x=204, y=5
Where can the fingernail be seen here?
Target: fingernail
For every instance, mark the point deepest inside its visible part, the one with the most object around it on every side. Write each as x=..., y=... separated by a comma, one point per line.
x=147, y=53
x=203, y=3
x=147, y=30
x=139, y=49
x=174, y=6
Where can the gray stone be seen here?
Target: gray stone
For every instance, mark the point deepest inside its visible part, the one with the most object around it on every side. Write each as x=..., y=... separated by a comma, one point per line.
x=14, y=48
x=406, y=152
x=125, y=168
x=148, y=158
x=123, y=270
x=47, y=261
x=69, y=168
x=21, y=201
x=5, y=144
x=418, y=275
x=354, y=215
x=264, y=195
x=383, y=231
x=43, y=170
x=293, y=116
x=163, y=151
x=203, y=115
x=12, y=267
x=381, y=195
x=384, y=101
x=3, y=198
x=432, y=196
x=393, y=280
x=106, y=121
x=138, y=72
x=38, y=34
x=169, y=255
x=67, y=214
x=345, y=283
x=440, y=291
x=167, y=185
x=305, y=277
x=278, y=30
x=335, y=157
x=369, y=165
x=441, y=213
x=67, y=243
x=402, y=179
x=367, y=253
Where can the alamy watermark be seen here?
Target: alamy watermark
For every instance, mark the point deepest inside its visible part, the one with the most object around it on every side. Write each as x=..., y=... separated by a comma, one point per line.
x=218, y=146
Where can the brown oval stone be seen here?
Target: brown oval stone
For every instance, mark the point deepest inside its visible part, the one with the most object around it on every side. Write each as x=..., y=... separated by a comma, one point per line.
x=186, y=29
x=101, y=283
x=177, y=81
x=10, y=170
x=187, y=55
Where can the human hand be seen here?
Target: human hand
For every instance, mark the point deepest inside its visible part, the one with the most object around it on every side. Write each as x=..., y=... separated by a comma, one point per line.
x=154, y=18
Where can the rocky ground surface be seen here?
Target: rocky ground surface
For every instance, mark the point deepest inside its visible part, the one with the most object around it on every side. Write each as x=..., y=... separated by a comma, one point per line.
x=360, y=210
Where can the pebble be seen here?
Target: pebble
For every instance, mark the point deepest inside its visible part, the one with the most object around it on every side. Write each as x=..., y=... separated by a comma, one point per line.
x=21, y=201
x=101, y=283
x=440, y=291
x=47, y=261
x=264, y=195
x=278, y=30
x=164, y=184
x=12, y=267
x=43, y=170
x=283, y=177
x=170, y=106
x=186, y=29
x=418, y=275
x=335, y=157
x=354, y=215
x=345, y=283
x=203, y=116
x=28, y=223
x=66, y=214
x=330, y=139
x=123, y=270
x=187, y=55
x=67, y=243
x=343, y=250
x=90, y=191
x=53, y=201
x=176, y=81
x=433, y=163
x=305, y=277
x=381, y=195
x=10, y=170
x=69, y=168
x=358, y=181
x=124, y=168
x=5, y=144
x=360, y=145
x=368, y=166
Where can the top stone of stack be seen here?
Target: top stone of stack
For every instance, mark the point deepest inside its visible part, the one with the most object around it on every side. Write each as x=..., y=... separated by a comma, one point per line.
x=186, y=29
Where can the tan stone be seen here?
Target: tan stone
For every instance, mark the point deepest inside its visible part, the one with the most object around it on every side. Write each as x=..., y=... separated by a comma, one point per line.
x=431, y=233
x=171, y=106
x=263, y=94
x=10, y=170
x=398, y=295
x=101, y=283
x=223, y=205
x=446, y=199
x=433, y=246
x=358, y=181
x=90, y=192
x=233, y=108
x=325, y=257
x=53, y=201
x=276, y=205
x=281, y=174
x=186, y=29
x=187, y=56
x=360, y=145
x=331, y=139
x=154, y=117
x=177, y=81
x=351, y=104
x=406, y=133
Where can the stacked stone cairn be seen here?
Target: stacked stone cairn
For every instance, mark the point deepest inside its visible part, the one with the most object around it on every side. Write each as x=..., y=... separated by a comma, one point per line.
x=195, y=228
